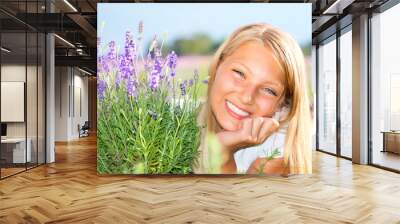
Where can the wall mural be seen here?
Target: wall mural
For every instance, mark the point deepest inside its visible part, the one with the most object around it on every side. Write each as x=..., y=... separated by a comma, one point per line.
x=204, y=88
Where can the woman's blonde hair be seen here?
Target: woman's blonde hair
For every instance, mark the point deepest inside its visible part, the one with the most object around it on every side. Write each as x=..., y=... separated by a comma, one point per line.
x=297, y=148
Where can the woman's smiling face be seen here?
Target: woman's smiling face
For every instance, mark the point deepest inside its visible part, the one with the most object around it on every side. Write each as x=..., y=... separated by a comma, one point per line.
x=248, y=83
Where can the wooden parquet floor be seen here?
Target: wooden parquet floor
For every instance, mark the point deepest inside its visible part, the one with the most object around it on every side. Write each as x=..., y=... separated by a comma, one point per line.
x=69, y=191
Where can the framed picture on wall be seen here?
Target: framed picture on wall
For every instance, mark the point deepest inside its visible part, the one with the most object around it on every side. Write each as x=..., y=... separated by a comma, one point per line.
x=12, y=101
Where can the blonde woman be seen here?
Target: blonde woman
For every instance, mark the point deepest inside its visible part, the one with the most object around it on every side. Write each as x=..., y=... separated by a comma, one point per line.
x=257, y=88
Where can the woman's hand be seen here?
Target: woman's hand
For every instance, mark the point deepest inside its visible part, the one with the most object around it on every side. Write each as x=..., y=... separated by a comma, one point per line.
x=253, y=131
x=265, y=166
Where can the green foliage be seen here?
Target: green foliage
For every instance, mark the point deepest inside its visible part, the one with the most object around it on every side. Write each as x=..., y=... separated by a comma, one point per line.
x=199, y=44
x=268, y=156
x=151, y=133
x=214, y=154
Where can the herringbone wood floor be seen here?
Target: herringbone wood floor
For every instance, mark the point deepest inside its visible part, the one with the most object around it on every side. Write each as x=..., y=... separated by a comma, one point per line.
x=69, y=191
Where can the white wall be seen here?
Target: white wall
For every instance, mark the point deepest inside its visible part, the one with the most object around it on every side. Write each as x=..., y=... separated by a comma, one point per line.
x=70, y=83
x=62, y=82
x=81, y=94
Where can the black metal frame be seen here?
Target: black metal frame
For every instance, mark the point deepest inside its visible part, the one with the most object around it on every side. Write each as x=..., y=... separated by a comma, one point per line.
x=316, y=97
x=338, y=96
x=44, y=79
x=45, y=89
x=0, y=90
x=369, y=103
x=25, y=89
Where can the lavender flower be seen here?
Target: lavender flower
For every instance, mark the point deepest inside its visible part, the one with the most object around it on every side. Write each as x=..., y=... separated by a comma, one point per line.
x=157, y=60
x=158, y=66
x=153, y=114
x=205, y=81
x=154, y=82
x=141, y=27
x=131, y=87
x=172, y=60
x=126, y=64
x=118, y=80
x=111, y=57
x=191, y=82
x=101, y=87
x=130, y=47
x=151, y=55
x=99, y=65
x=183, y=87
x=103, y=64
x=155, y=74
x=111, y=47
x=126, y=67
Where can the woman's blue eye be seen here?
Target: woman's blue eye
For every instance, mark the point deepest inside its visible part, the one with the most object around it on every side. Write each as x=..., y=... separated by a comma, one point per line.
x=270, y=91
x=241, y=74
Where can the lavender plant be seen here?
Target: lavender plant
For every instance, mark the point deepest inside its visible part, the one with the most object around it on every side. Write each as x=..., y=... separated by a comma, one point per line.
x=147, y=120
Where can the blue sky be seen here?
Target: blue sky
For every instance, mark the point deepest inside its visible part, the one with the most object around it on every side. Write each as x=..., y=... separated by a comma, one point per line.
x=217, y=20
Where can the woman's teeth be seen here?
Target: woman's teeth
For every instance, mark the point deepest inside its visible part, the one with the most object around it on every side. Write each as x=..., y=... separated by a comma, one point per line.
x=237, y=110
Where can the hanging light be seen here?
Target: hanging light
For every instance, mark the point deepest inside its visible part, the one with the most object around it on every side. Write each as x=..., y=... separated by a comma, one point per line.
x=70, y=5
